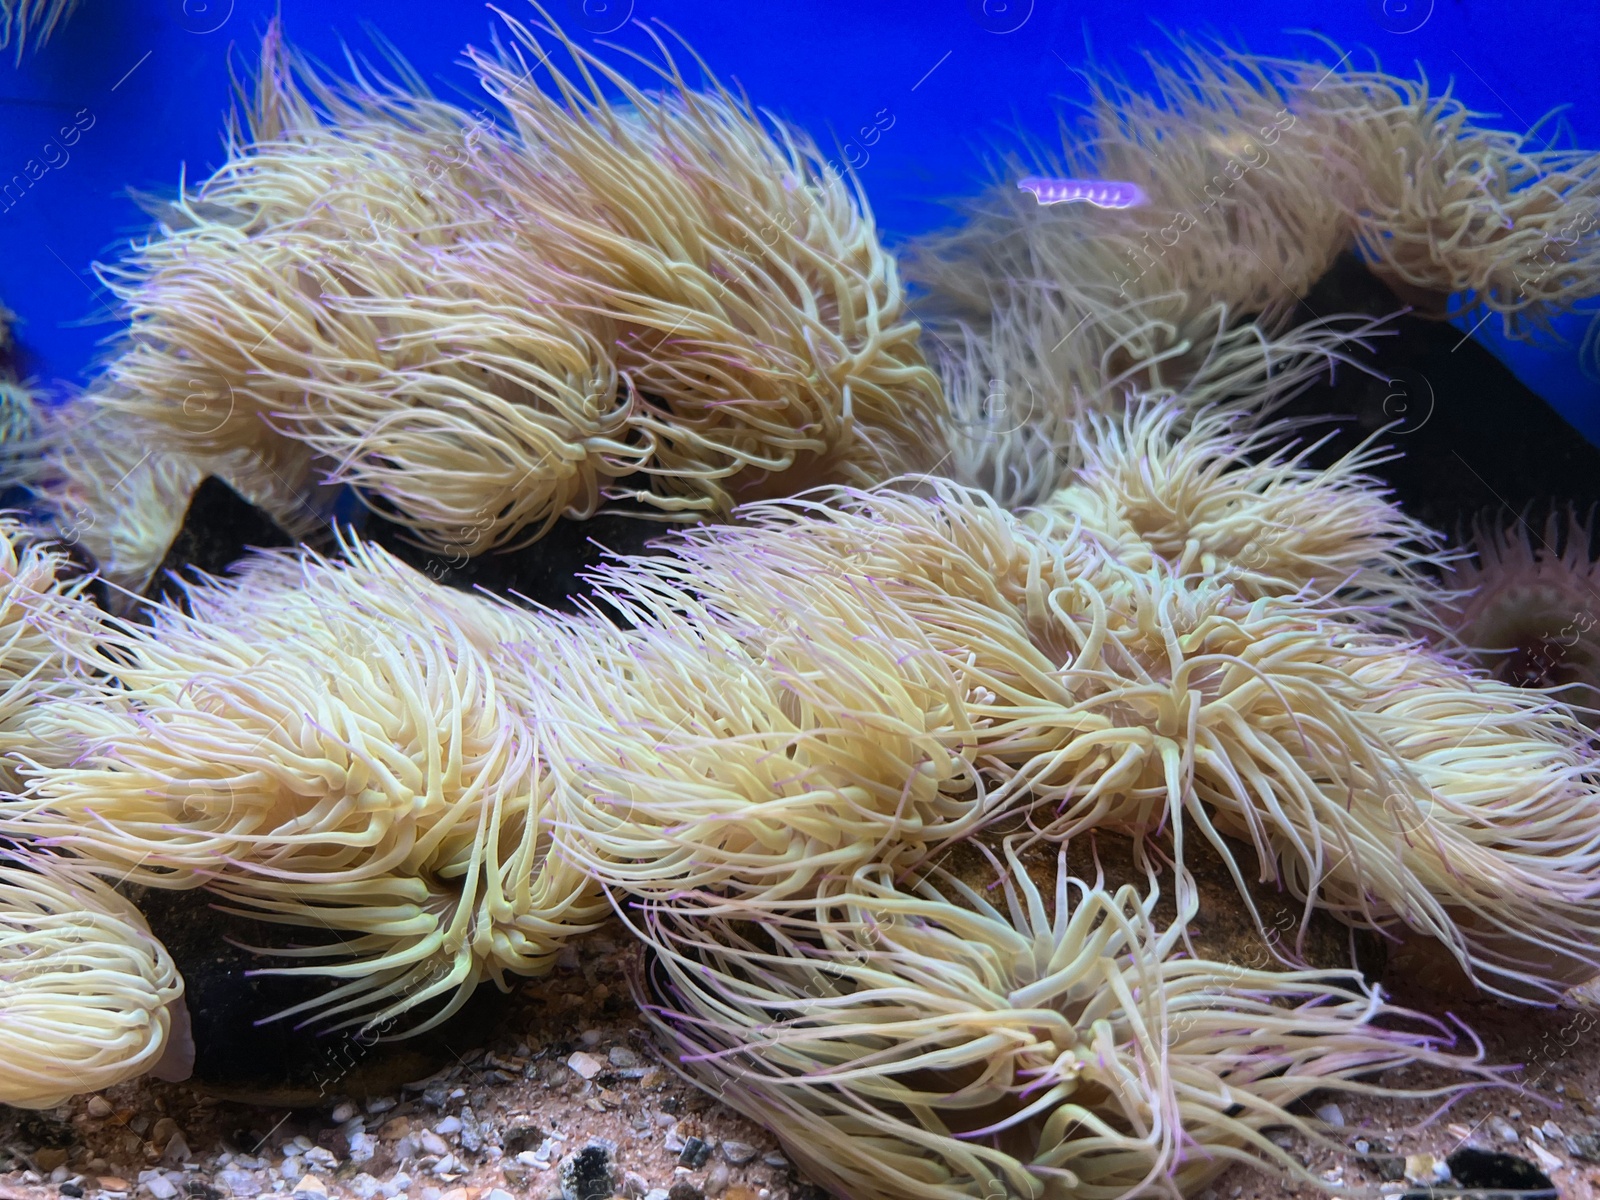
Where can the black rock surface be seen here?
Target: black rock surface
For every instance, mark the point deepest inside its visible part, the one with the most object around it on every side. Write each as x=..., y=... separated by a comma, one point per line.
x=239, y=1055
x=546, y=572
x=1471, y=438
x=219, y=528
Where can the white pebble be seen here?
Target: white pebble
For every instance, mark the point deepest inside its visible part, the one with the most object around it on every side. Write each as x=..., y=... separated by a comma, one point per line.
x=160, y=1187
x=381, y=1104
x=445, y=1166
x=1332, y=1114
x=432, y=1142
x=591, y=1038
x=585, y=1065
x=364, y=1186
x=448, y=1126
x=1549, y=1162
x=343, y=1112
x=363, y=1147
x=99, y=1106
x=499, y=1194
x=321, y=1156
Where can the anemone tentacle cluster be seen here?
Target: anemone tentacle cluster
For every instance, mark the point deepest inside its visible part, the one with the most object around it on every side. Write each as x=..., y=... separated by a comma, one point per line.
x=1135, y=611
x=1065, y=1047
x=88, y=996
x=1258, y=173
x=486, y=323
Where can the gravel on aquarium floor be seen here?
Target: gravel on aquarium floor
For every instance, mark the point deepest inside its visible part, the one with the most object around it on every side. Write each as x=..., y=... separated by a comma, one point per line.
x=567, y=1101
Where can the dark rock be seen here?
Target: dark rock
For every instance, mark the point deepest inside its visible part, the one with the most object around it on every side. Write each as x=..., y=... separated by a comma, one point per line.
x=199, y=1189
x=219, y=528
x=587, y=1175
x=1387, y=1167
x=521, y=1137
x=74, y=1190
x=1585, y=1146
x=1471, y=439
x=436, y=1095
x=241, y=1055
x=545, y=572
x=1489, y=1175
x=694, y=1153
x=43, y=1131
x=684, y=1190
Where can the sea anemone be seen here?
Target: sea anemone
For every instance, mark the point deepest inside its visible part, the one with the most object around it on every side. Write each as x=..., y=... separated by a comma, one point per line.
x=486, y=329
x=322, y=746
x=933, y=1042
x=1524, y=605
x=1035, y=673
x=44, y=622
x=88, y=997
x=1257, y=174
x=1021, y=389
x=1222, y=499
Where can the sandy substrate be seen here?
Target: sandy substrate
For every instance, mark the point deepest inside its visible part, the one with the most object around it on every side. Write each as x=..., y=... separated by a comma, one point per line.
x=556, y=1097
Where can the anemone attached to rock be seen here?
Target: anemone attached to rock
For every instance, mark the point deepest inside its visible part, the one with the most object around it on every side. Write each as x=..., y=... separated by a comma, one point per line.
x=940, y=1040
x=1214, y=496
x=323, y=746
x=88, y=997
x=1256, y=175
x=1526, y=606
x=1373, y=778
x=485, y=329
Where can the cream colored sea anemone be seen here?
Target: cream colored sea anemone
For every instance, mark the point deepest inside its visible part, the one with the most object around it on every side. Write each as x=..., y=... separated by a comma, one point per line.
x=1219, y=498
x=323, y=746
x=1021, y=389
x=87, y=996
x=1255, y=174
x=1033, y=672
x=1259, y=171
x=777, y=713
x=1525, y=606
x=945, y=1041
x=486, y=329
x=44, y=623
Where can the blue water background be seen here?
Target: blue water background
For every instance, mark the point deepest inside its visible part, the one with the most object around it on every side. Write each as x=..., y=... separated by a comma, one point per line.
x=946, y=82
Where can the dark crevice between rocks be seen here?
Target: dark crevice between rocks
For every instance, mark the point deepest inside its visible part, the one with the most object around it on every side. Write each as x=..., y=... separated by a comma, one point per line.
x=295, y=1061
x=219, y=528
x=1472, y=439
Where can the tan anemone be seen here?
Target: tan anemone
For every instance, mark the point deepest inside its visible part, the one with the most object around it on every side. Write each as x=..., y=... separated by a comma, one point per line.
x=1374, y=778
x=916, y=1040
x=323, y=746
x=486, y=328
x=87, y=996
x=1213, y=496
